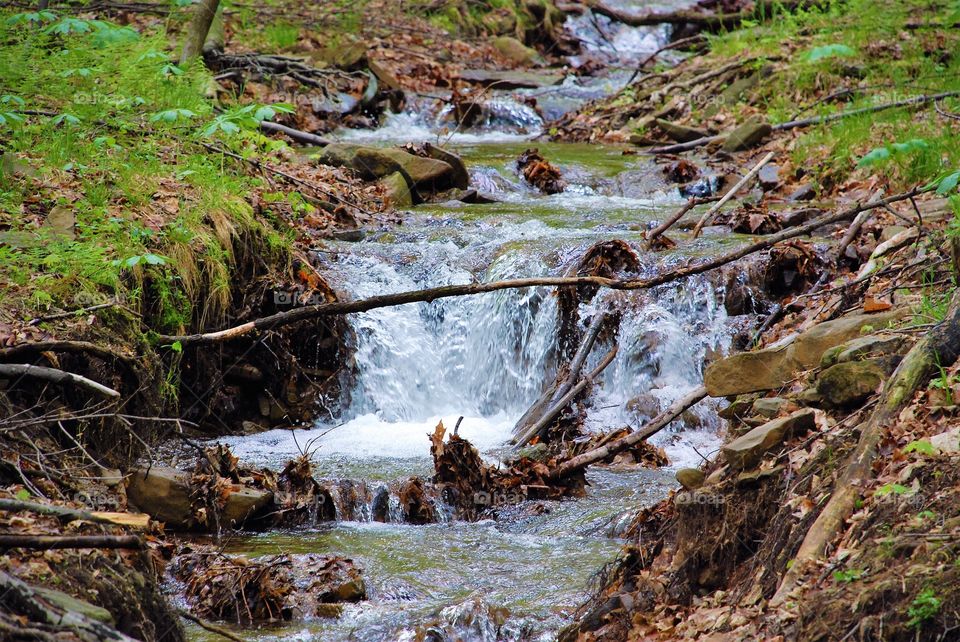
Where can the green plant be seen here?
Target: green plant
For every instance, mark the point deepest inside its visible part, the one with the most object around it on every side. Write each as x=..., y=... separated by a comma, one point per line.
x=943, y=381
x=921, y=446
x=835, y=50
x=925, y=606
x=894, y=489
x=247, y=117
x=282, y=35
x=849, y=575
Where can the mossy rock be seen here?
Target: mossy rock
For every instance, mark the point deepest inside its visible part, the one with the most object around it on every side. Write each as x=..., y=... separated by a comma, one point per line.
x=849, y=384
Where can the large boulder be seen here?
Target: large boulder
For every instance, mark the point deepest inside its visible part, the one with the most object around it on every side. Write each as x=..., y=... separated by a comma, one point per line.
x=747, y=451
x=679, y=133
x=773, y=367
x=515, y=51
x=848, y=384
x=746, y=135
x=870, y=346
x=372, y=163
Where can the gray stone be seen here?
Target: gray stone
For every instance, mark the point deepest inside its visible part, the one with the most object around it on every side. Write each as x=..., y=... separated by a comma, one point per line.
x=802, y=193
x=739, y=408
x=848, y=384
x=375, y=162
x=74, y=605
x=872, y=345
x=947, y=442
x=747, y=135
x=679, y=133
x=747, y=451
x=773, y=367
x=163, y=493
x=890, y=231
x=772, y=406
x=645, y=405
x=461, y=177
x=769, y=177
x=690, y=478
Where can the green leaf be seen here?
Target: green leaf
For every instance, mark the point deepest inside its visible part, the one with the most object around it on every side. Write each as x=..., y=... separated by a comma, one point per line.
x=132, y=261
x=23, y=494
x=69, y=25
x=154, y=259
x=9, y=99
x=921, y=446
x=172, y=115
x=830, y=51
x=69, y=119
x=874, y=156
x=948, y=183
x=896, y=489
x=912, y=145
x=176, y=346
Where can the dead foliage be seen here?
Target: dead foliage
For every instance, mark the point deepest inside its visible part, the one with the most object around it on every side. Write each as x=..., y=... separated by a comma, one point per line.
x=750, y=219
x=643, y=453
x=537, y=171
x=681, y=171
x=415, y=503
x=794, y=266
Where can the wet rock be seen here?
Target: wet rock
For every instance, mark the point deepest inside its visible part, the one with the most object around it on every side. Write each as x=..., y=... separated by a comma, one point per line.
x=849, y=384
x=510, y=79
x=163, y=493
x=461, y=177
x=747, y=135
x=384, y=76
x=873, y=345
x=349, y=55
x=747, y=451
x=947, y=442
x=515, y=51
x=645, y=405
x=242, y=504
x=772, y=406
x=736, y=90
x=690, y=478
x=679, y=133
x=396, y=192
x=682, y=171
x=739, y=408
x=769, y=177
x=802, y=193
x=773, y=367
x=373, y=162
x=350, y=236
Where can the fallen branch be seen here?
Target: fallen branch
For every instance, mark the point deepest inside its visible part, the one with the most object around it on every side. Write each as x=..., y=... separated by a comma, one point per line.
x=8, y=370
x=938, y=349
x=807, y=122
x=714, y=21
x=299, y=136
x=551, y=414
x=48, y=542
x=63, y=512
x=659, y=230
x=81, y=347
x=432, y=294
x=187, y=615
x=656, y=424
x=854, y=229
x=730, y=194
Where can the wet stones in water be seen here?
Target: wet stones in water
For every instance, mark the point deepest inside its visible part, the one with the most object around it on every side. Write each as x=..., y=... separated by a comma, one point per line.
x=681, y=171
x=537, y=171
x=416, y=505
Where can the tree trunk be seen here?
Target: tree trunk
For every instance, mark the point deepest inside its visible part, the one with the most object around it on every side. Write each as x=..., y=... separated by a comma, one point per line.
x=197, y=30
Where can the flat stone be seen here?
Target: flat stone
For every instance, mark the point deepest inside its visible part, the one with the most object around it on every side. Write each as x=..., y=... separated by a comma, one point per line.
x=510, y=79
x=384, y=76
x=461, y=177
x=872, y=345
x=679, y=133
x=242, y=504
x=736, y=90
x=375, y=162
x=802, y=193
x=890, y=231
x=747, y=451
x=747, y=135
x=690, y=478
x=773, y=367
x=163, y=493
x=848, y=384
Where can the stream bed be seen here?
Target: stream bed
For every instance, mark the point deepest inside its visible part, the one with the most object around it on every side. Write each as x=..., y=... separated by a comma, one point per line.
x=486, y=358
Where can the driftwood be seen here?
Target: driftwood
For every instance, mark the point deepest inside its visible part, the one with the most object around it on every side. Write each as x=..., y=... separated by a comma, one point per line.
x=303, y=137
x=854, y=228
x=81, y=347
x=659, y=230
x=18, y=597
x=203, y=624
x=656, y=424
x=555, y=392
x=62, y=512
x=432, y=294
x=711, y=21
x=940, y=348
x=916, y=101
x=47, y=542
x=730, y=194
x=554, y=410
x=8, y=370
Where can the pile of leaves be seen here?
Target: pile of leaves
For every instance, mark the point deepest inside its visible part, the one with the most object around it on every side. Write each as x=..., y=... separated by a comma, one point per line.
x=643, y=453
x=537, y=171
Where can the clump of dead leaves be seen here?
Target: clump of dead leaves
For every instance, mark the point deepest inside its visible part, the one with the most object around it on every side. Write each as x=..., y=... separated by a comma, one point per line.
x=537, y=171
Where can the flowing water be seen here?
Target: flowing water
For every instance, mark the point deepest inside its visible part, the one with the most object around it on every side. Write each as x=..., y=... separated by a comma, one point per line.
x=486, y=358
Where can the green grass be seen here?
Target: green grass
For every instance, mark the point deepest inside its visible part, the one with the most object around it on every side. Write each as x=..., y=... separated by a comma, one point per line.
x=116, y=148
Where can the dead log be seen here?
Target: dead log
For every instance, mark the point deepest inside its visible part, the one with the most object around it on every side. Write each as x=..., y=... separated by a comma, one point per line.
x=730, y=194
x=709, y=21
x=432, y=294
x=303, y=137
x=551, y=414
x=48, y=542
x=916, y=101
x=18, y=597
x=9, y=370
x=940, y=348
x=656, y=424
x=63, y=512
